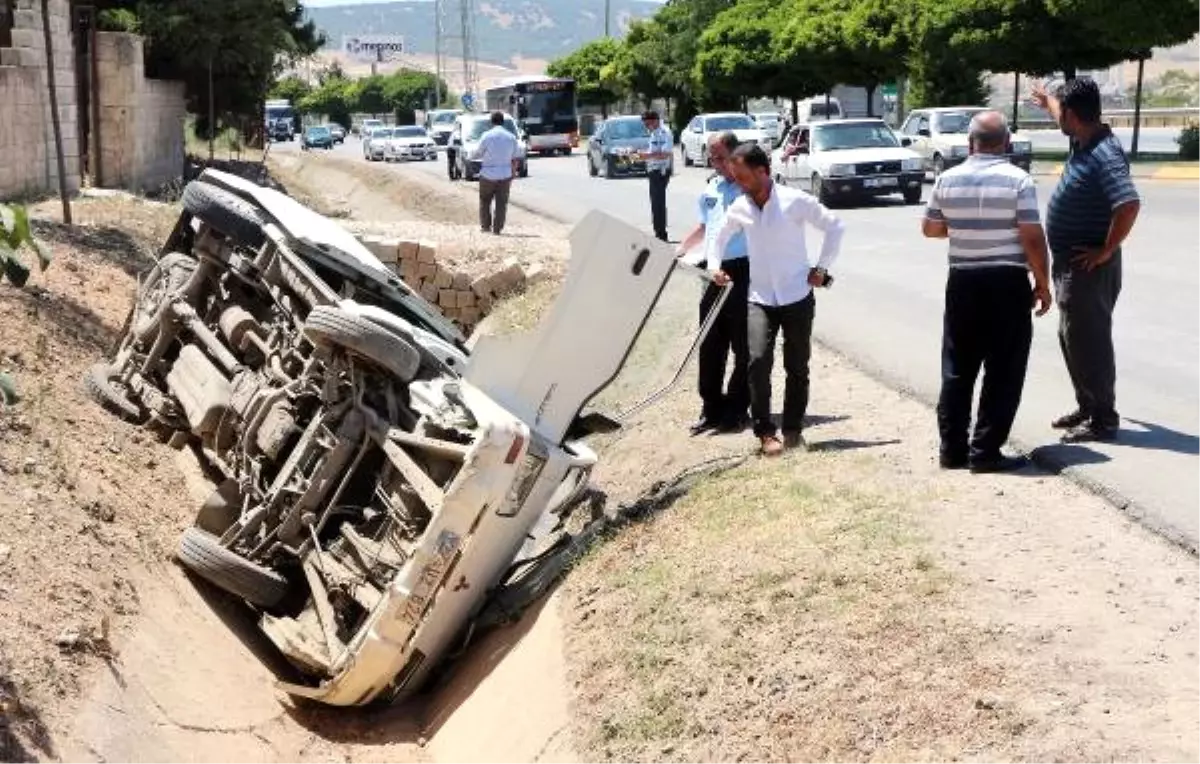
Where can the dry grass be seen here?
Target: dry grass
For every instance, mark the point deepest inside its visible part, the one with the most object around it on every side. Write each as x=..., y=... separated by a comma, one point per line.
x=776, y=613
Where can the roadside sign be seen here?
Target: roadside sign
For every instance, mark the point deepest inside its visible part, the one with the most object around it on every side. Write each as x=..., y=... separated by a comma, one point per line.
x=372, y=47
x=468, y=101
x=888, y=90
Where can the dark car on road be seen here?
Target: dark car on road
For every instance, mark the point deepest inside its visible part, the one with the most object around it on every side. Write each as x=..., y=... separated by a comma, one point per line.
x=318, y=137
x=618, y=147
x=338, y=132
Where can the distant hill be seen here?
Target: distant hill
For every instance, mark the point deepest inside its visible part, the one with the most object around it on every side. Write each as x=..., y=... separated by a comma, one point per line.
x=504, y=29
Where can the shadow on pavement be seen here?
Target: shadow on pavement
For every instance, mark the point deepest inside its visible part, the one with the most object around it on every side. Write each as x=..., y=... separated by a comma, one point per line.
x=849, y=444
x=1061, y=456
x=1159, y=438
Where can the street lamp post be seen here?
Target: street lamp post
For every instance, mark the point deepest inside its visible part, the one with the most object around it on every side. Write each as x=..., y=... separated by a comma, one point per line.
x=607, y=14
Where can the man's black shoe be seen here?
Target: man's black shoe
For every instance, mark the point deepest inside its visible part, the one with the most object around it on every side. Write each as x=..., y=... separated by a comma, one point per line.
x=736, y=424
x=704, y=424
x=998, y=463
x=1091, y=431
x=1068, y=421
x=952, y=462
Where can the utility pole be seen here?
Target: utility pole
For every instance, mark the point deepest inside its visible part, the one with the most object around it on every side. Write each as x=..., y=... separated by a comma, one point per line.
x=1016, y=99
x=54, y=117
x=607, y=16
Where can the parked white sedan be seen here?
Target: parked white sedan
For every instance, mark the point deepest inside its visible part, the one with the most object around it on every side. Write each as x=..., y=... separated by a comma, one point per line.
x=847, y=159
x=693, y=142
x=409, y=142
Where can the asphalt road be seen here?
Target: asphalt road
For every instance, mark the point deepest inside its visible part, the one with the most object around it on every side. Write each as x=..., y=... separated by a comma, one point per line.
x=885, y=313
x=1153, y=140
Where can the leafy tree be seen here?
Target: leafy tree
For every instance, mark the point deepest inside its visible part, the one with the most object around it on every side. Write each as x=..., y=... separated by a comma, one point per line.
x=231, y=49
x=637, y=66
x=368, y=95
x=586, y=66
x=1029, y=36
x=407, y=90
x=292, y=88
x=873, y=43
x=1174, y=88
x=333, y=98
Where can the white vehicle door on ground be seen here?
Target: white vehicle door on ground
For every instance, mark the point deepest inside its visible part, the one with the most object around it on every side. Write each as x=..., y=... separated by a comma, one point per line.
x=616, y=278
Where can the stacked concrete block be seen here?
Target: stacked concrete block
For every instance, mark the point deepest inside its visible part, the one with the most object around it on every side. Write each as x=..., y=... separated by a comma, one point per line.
x=462, y=297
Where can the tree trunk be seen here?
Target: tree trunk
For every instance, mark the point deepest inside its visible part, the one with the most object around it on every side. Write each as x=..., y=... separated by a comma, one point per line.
x=1137, y=110
x=212, y=112
x=871, y=100
x=604, y=110
x=54, y=117
x=795, y=111
x=1069, y=73
x=1016, y=100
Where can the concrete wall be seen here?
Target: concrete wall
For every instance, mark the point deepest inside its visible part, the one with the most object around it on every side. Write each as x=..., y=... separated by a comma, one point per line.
x=28, y=161
x=141, y=135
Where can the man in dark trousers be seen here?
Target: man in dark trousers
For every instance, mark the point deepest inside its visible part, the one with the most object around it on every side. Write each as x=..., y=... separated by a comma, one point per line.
x=774, y=220
x=1091, y=212
x=988, y=209
x=658, y=170
x=722, y=408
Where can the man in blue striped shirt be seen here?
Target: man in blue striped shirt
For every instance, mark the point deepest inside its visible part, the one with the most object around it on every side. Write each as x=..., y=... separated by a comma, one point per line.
x=1091, y=212
x=988, y=209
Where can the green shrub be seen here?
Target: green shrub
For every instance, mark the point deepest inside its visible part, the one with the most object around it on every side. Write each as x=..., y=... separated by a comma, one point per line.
x=14, y=234
x=1189, y=142
x=119, y=20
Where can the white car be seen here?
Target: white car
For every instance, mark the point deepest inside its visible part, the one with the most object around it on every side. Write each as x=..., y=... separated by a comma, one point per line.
x=374, y=141
x=848, y=159
x=409, y=142
x=440, y=123
x=464, y=139
x=940, y=137
x=771, y=124
x=382, y=482
x=693, y=142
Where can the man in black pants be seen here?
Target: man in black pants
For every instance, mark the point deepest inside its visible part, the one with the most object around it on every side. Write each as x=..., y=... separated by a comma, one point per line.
x=658, y=170
x=988, y=209
x=1091, y=212
x=724, y=409
x=773, y=219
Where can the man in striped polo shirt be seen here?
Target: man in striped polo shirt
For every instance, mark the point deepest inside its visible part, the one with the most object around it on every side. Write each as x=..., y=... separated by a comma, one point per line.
x=988, y=209
x=1091, y=212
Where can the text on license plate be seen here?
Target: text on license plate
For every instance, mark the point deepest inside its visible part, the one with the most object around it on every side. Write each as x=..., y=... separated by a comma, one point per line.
x=879, y=182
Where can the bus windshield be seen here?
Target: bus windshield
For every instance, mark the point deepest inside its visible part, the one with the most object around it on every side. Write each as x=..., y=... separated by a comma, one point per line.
x=548, y=104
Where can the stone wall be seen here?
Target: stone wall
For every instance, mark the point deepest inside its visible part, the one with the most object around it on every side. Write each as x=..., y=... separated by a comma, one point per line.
x=28, y=160
x=141, y=135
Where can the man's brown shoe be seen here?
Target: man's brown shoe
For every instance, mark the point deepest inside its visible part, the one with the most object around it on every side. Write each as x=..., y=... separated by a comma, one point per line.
x=771, y=445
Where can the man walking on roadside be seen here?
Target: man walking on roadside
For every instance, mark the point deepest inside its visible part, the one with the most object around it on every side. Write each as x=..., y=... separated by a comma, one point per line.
x=497, y=155
x=722, y=408
x=773, y=219
x=988, y=209
x=658, y=170
x=1091, y=212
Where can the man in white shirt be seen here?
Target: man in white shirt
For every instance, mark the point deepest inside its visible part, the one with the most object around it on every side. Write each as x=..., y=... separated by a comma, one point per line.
x=498, y=156
x=773, y=220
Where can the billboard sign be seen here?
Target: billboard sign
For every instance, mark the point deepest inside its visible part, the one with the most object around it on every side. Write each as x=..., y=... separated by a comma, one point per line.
x=372, y=47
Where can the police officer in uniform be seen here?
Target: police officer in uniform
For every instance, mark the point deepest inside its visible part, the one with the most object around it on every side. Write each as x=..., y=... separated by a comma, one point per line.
x=722, y=407
x=658, y=169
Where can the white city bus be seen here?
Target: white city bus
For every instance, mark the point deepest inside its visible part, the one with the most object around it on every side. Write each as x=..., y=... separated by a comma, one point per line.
x=544, y=107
